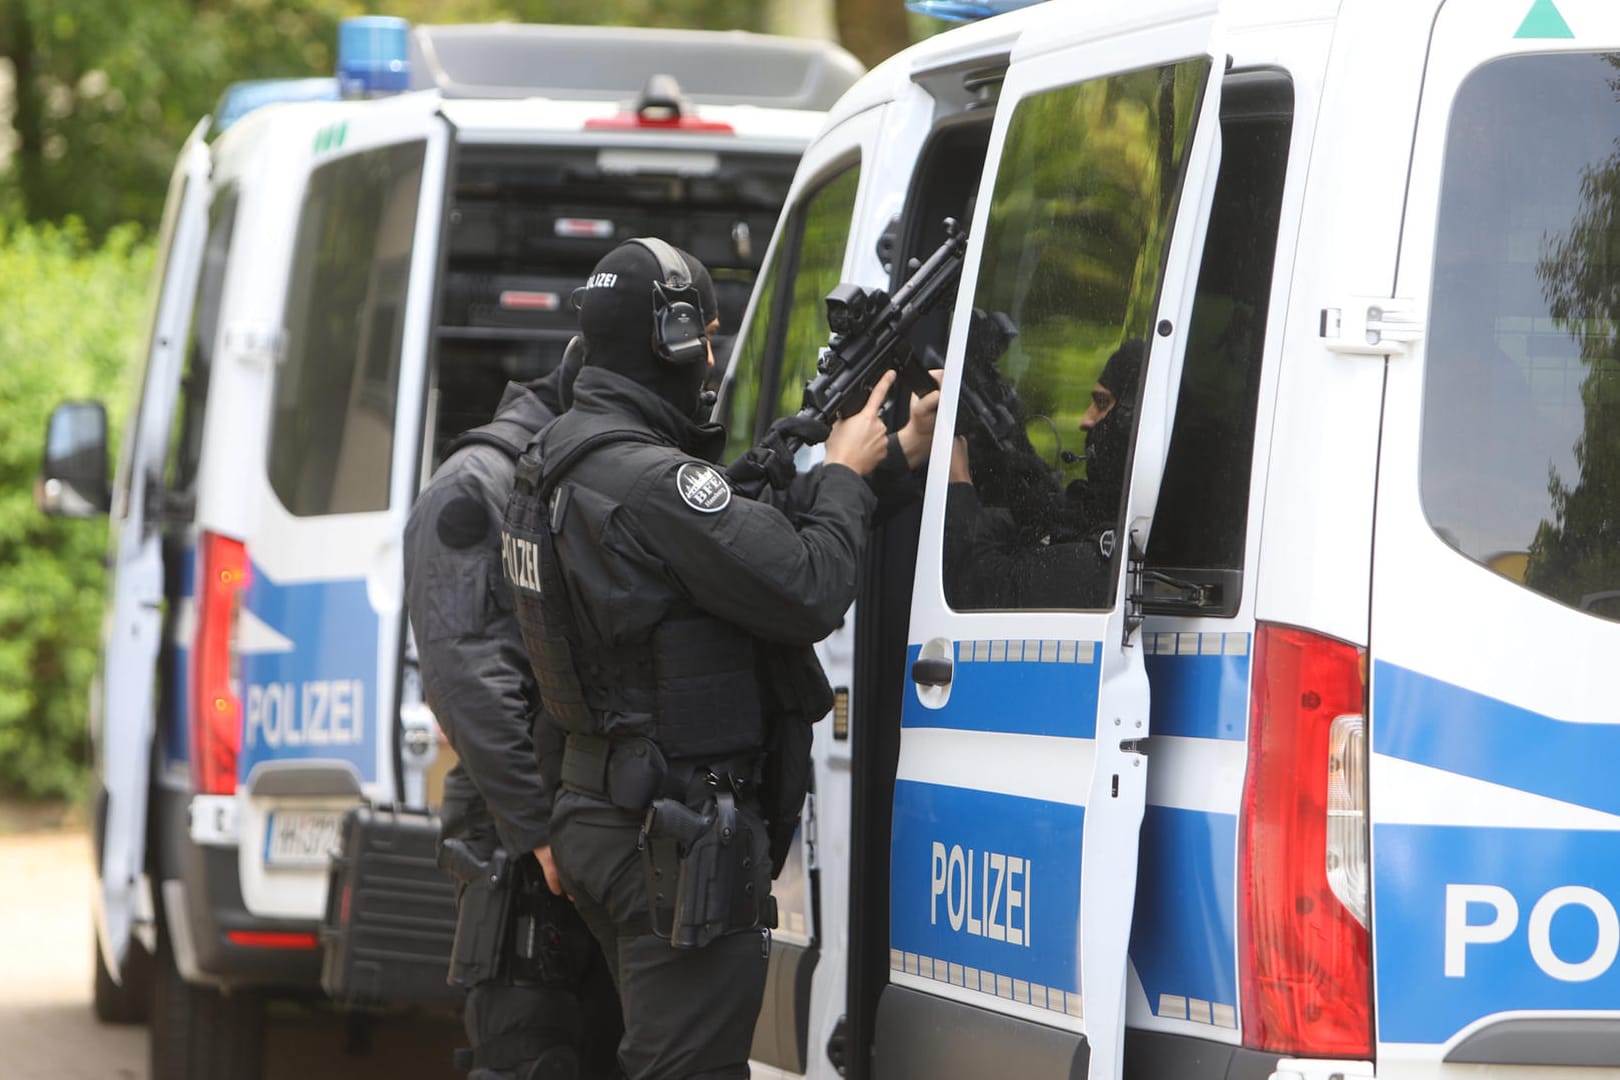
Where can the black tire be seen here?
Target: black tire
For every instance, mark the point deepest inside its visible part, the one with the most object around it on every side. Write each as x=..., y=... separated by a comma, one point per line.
x=126, y=1003
x=199, y=1033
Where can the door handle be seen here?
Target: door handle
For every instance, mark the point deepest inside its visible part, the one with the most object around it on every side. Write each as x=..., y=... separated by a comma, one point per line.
x=931, y=671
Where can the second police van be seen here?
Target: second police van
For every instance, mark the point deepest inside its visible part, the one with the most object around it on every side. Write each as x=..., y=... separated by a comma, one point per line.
x=344, y=285
x=1304, y=766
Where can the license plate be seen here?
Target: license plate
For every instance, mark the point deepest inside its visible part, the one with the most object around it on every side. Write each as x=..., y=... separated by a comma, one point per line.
x=302, y=838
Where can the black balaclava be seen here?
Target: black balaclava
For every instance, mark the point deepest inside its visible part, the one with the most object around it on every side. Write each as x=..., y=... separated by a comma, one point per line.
x=616, y=320
x=1109, y=441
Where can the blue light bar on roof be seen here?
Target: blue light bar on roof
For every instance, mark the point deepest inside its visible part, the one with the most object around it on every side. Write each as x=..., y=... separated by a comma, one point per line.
x=241, y=98
x=966, y=10
x=371, y=56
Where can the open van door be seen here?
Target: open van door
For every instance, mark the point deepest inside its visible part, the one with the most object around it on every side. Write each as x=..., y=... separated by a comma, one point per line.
x=133, y=633
x=1023, y=758
x=343, y=463
x=1494, y=812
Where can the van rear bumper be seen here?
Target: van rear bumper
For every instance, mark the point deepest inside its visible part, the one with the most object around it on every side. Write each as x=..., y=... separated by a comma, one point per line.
x=1153, y=1054
x=202, y=896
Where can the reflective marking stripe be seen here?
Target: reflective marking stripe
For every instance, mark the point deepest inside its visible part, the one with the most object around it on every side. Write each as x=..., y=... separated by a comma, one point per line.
x=1033, y=651
x=1196, y=1010
x=988, y=983
x=1187, y=643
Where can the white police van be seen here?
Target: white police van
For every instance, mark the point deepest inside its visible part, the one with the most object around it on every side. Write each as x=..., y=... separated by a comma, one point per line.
x=1317, y=778
x=345, y=285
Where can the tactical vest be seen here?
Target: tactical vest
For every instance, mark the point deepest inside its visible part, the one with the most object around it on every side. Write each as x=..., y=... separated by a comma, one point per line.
x=694, y=683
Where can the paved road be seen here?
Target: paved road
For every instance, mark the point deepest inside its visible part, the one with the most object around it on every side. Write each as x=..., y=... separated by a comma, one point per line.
x=47, y=1031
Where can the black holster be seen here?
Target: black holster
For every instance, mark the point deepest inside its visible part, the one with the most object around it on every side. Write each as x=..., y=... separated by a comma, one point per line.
x=483, y=911
x=707, y=871
x=509, y=925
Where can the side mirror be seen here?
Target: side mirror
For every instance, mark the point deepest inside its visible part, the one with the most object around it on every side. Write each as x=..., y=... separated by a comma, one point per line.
x=73, y=480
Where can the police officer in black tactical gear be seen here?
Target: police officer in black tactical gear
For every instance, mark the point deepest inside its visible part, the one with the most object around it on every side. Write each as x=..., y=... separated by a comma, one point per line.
x=670, y=622
x=552, y=1015
x=1013, y=538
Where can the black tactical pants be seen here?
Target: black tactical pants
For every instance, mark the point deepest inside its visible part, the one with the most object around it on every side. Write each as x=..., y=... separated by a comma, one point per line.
x=688, y=1013
x=510, y=1027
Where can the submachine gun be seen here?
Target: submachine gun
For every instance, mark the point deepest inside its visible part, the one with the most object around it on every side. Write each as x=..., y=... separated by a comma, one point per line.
x=870, y=335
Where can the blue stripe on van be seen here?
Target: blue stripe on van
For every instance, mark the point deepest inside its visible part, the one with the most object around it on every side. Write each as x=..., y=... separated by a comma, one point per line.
x=1202, y=697
x=318, y=700
x=1051, y=693
x=1470, y=922
x=1184, y=933
x=1425, y=720
x=988, y=884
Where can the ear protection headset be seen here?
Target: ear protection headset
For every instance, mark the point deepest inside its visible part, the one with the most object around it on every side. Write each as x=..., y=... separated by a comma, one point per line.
x=678, y=328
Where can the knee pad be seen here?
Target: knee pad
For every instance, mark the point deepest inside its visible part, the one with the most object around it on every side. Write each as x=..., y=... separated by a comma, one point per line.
x=558, y=1063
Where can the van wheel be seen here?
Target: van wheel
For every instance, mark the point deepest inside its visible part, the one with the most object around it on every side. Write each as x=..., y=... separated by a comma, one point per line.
x=123, y=1004
x=199, y=1033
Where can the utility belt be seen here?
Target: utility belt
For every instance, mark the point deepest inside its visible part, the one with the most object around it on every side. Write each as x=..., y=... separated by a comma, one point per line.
x=632, y=771
x=509, y=925
x=705, y=850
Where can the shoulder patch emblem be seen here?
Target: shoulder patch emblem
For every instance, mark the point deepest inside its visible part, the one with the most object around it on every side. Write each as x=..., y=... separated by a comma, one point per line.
x=702, y=487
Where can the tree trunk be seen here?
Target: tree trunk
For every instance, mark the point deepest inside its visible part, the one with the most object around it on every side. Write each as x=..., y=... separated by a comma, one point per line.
x=29, y=156
x=873, y=30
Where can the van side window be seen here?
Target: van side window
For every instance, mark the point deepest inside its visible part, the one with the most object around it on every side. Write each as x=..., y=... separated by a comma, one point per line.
x=1201, y=521
x=1520, y=458
x=332, y=429
x=792, y=325
x=1079, y=226
x=185, y=436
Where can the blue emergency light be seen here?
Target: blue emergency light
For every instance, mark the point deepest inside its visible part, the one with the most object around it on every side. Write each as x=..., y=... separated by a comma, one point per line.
x=966, y=10
x=372, y=56
x=241, y=98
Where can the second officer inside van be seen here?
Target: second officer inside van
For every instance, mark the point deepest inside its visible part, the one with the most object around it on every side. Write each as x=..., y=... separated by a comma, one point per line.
x=652, y=598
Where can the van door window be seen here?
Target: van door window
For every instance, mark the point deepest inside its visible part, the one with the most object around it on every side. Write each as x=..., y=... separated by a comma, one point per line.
x=185, y=436
x=1202, y=517
x=1521, y=397
x=332, y=431
x=791, y=319
x=1078, y=230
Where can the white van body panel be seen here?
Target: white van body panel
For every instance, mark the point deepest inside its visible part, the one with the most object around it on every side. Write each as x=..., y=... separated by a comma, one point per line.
x=1338, y=545
x=132, y=631
x=1494, y=827
x=309, y=572
x=1078, y=770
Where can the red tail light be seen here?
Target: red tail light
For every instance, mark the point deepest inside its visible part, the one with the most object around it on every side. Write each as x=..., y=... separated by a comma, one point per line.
x=216, y=702
x=1304, y=953
x=272, y=939
x=632, y=121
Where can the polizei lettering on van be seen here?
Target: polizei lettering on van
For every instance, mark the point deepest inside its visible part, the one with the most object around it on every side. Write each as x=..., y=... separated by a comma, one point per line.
x=1478, y=916
x=985, y=893
x=320, y=712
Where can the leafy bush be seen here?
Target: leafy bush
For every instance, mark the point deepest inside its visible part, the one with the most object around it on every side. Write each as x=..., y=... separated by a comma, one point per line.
x=74, y=314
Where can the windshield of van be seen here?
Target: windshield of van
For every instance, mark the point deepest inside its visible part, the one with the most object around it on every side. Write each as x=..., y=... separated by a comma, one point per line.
x=1521, y=413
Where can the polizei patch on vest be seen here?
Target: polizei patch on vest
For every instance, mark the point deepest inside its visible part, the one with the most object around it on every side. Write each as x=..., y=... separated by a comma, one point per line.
x=703, y=488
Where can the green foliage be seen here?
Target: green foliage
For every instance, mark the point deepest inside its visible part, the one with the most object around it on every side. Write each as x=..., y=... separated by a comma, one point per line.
x=74, y=315
x=108, y=91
